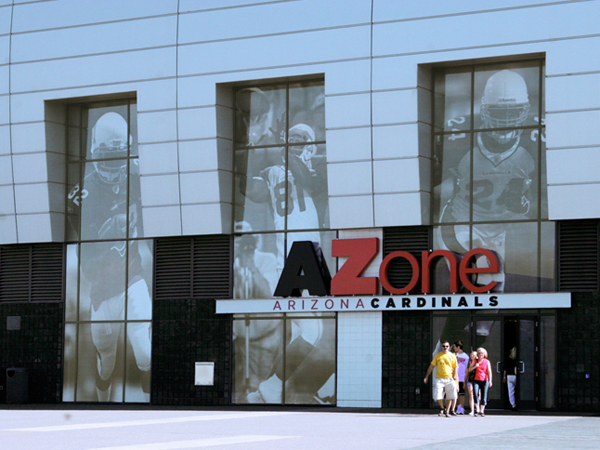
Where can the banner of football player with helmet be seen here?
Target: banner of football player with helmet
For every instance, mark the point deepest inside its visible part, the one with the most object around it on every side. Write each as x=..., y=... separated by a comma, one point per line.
x=281, y=197
x=489, y=174
x=107, y=357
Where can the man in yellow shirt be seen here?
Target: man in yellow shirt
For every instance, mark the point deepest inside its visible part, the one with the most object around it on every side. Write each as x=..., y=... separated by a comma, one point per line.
x=446, y=378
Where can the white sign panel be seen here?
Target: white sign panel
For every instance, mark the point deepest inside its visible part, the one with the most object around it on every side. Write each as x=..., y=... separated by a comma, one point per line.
x=397, y=303
x=204, y=374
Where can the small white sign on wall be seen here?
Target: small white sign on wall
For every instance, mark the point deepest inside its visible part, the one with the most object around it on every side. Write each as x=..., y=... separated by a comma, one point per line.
x=205, y=374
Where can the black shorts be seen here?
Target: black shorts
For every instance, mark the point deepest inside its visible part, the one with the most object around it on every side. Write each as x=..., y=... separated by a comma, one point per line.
x=461, y=388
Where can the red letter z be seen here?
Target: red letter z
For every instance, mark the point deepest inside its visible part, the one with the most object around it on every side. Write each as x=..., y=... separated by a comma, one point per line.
x=360, y=252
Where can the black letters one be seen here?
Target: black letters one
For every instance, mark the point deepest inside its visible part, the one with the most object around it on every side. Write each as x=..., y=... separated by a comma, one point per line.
x=305, y=268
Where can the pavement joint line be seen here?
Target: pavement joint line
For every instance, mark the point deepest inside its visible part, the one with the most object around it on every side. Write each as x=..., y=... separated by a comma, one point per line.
x=127, y=423
x=196, y=443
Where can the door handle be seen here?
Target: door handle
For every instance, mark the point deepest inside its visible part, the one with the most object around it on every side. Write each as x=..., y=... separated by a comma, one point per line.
x=521, y=367
x=498, y=366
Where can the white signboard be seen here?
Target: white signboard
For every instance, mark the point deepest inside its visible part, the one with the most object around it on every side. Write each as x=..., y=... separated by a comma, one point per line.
x=204, y=374
x=397, y=303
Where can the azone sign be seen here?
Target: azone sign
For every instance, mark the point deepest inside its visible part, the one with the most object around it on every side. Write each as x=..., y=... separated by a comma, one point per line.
x=305, y=269
x=348, y=291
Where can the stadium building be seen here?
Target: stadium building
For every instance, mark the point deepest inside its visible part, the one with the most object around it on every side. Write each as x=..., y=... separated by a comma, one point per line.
x=296, y=202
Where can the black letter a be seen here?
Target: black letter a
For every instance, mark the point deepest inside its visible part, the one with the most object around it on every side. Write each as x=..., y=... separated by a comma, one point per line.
x=305, y=268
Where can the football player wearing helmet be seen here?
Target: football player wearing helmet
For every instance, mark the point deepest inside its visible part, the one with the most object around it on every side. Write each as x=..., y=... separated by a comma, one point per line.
x=109, y=205
x=493, y=182
x=282, y=170
x=290, y=191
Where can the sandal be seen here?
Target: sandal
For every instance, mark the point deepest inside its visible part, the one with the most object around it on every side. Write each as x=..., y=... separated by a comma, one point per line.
x=441, y=413
x=482, y=415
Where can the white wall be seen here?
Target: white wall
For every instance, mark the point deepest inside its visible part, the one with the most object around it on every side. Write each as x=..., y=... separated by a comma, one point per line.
x=374, y=57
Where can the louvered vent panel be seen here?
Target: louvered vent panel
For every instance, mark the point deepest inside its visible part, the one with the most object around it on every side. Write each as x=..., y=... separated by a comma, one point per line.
x=193, y=267
x=578, y=253
x=409, y=239
x=212, y=267
x=32, y=273
x=173, y=268
x=15, y=273
x=47, y=273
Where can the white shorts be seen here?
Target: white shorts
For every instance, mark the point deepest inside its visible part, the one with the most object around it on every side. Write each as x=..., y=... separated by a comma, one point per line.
x=447, y=385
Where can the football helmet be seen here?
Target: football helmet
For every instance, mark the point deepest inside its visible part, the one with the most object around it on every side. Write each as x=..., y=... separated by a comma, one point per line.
x=110, y=142
x=246, y=242
x=302, y=134
x=505, y=104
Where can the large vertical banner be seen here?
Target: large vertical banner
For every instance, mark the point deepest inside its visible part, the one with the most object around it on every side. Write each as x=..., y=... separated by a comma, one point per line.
x=109, y=308
x=489, y=172
x=280, y=197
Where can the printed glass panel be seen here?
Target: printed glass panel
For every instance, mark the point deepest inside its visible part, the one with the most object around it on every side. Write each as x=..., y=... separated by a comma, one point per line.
x=138, y=362
x=309, y=371
x=77, y=131
x=305, y=186
x=103, y=206
x=260, y=202
x=72, y=283
x=453, y=101
x=307, y=109
x=99, y=369
x=70, y=363
x=519, y=257
x=140, y=264
x=74, y=198
x=256, y=268
x=258, y=356
x=507, y=96
x=452, y=178
x=260, y=116
x=135, y=227
x=504, y=180
x=102, y=280
x=548, y=257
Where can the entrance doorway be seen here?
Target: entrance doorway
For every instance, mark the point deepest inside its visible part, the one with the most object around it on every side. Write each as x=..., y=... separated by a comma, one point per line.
x=531, y=332
x=499, y=336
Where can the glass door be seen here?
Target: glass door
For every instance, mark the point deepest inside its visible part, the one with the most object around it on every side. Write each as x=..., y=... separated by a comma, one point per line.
x=526, y=363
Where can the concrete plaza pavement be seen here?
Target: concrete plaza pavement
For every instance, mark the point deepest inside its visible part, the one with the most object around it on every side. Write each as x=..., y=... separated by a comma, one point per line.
x=292, y=429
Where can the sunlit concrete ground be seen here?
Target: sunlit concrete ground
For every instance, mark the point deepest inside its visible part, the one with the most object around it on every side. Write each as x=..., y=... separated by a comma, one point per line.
x=331, y=429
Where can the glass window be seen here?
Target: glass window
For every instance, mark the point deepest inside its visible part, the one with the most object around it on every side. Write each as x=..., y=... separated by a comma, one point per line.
x=280, y=193
x=109, y=306
x=489, y=179
x=280, y=197
x=285, y=360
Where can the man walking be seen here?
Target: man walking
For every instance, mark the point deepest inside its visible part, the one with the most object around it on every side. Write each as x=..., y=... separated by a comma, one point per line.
x=463, y=360
x=446, y=379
